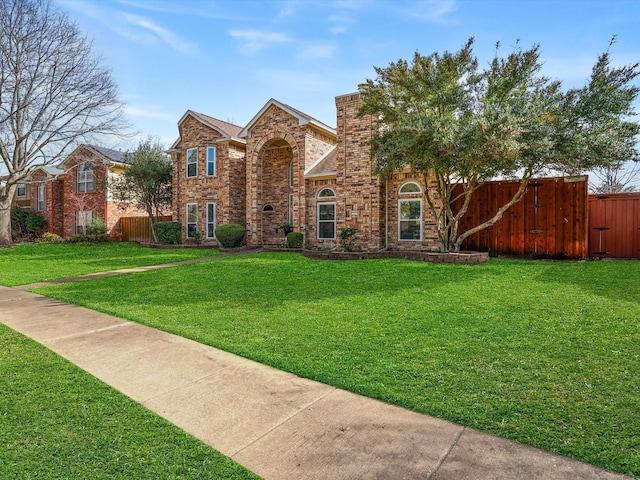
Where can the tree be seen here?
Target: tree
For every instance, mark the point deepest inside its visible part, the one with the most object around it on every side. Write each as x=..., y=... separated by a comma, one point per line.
x=459, y=126
x=617, y=179
x=54, y=94
x=146, y=182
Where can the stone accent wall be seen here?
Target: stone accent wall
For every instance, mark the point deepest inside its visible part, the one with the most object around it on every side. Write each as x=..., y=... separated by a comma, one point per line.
x=360, y=193
x=278, y=128
x=226, y=189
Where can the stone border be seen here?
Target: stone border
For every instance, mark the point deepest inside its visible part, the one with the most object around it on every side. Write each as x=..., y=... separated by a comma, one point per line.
x=464, y=258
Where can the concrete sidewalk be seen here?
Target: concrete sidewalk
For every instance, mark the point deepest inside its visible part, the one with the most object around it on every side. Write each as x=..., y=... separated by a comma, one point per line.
x=274, y=423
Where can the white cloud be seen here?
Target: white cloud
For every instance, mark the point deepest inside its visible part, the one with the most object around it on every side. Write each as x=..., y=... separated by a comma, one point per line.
x=255, y=41
x=432, y=10
x=157, y=32
x=147, y=113
x=317, y=51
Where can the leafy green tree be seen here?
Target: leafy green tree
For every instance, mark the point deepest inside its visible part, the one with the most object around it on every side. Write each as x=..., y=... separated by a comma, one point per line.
x=459, y=126
x=146, y=182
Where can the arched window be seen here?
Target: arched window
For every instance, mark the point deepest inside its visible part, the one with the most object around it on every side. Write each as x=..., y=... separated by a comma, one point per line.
x=267, y=208
x=410, y=187
x=326, y=193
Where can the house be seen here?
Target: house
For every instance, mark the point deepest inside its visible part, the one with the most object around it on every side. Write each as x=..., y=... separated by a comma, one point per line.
x=285, y=167
x=72, y=193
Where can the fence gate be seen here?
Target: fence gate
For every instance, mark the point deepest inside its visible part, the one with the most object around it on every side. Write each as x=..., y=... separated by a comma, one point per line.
x=138, y=229
x=614, y=225
x=550, y=221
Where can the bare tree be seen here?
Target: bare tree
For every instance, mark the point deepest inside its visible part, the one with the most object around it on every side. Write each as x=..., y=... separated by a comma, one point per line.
x=618, y=179
x=54, y=94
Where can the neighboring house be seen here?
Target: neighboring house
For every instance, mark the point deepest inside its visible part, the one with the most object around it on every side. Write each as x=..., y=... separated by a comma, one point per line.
x=287, y=167
x=72, y=193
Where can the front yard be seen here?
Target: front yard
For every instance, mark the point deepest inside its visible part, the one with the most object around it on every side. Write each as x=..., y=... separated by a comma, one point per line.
x=545, y=353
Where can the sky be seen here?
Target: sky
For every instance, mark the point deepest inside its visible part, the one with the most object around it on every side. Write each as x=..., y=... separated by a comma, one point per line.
x=227, y=58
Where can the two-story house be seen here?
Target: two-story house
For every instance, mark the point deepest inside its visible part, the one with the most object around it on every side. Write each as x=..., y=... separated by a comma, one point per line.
x=71, y=194
x=285, y=167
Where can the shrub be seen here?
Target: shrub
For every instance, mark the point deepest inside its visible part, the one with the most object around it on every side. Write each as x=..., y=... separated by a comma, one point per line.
x=295, y=239
x=97, y=226
x=48, y=237
x=230, y=235
x=103, y=238
x=348, y=238
x=168, y=233
x=26, y=223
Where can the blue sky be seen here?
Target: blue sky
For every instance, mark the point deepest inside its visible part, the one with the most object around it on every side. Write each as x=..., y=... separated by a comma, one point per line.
x=227, y=58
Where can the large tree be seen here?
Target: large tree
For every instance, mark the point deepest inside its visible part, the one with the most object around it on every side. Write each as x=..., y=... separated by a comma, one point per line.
x=460, y=126
x=146, y=181
x=54, y=94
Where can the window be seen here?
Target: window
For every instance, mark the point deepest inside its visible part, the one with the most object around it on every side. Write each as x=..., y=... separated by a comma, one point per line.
x=192, y=218
x=326, y=221
x=211, y=220
x=410, y=187
x=41, y=195
x=22, y=190
x=86, y=181
x=326, y=193
x=291, y=174
x=83, y=218
x=409, y=224
x=192, y=162
x=291, y=208
x=267, y=208
x=211, y=161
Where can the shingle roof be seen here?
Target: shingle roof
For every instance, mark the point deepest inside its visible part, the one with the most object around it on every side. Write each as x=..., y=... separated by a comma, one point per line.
x=229, y=128
x=325, y=167
x=114, y=155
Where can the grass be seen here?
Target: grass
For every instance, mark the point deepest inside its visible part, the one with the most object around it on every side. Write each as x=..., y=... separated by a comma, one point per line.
x=40, y=262
x=57, y=421
x=545, y=353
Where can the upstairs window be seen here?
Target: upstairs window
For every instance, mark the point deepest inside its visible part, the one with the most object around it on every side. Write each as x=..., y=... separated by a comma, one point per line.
x=192, y=162
x=211, y=161
x=86, y=181
x=21, y=190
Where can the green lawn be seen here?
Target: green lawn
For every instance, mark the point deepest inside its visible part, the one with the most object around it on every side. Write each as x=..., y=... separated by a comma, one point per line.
x=545, y=353
x=39, y=262
x=56, y=421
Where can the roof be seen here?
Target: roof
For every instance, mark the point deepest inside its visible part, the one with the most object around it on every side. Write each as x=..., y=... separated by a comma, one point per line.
x=303, y=118
x=325, y=166
x=229, y=131
x=52, y=171
x=114, y=155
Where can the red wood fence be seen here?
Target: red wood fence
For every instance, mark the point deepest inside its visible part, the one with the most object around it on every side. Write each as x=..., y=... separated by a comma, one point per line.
x=138, y=229
x=614, y=225
x=550, y=221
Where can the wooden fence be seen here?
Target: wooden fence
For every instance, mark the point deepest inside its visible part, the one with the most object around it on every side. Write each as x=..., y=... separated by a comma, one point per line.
x=614, y=225
x=550, y=221
x=138, y=229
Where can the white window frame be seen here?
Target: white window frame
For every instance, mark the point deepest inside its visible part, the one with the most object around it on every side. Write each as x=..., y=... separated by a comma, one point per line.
x=194, y=162
x=23, y=187
x=41, y=199
x=400, y=220
x=318, y=221
x=400, y=192
x=187, y=223
x=211, y=222
x=83, y=218
x=211, y=160
x=86, y=178
x=333, y=193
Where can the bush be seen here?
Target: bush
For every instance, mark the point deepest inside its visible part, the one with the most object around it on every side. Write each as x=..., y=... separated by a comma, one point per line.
x=48, y=237
x=97, y=226
x=26, y=223
x=348, y=238
x=103, y=238
x=168, y=233
x=295, y=239
x=230, y=235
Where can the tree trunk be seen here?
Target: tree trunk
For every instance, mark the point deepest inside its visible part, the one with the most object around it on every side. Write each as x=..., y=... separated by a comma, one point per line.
x=5, y=220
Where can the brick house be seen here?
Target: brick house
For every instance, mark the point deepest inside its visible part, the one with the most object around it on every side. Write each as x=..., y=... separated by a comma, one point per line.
x=70, y=194
x=285, y=167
